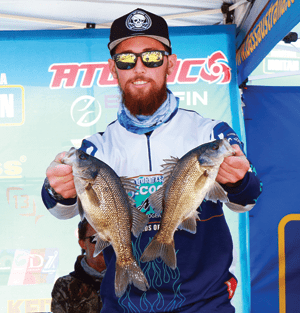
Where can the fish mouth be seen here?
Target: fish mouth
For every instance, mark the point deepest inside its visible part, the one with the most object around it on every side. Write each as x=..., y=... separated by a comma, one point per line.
x=228, y=147
x=69, y=157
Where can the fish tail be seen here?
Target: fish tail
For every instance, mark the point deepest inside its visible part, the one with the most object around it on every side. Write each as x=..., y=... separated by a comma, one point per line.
x=129, y=274
x=238, y=207
x=165, y=251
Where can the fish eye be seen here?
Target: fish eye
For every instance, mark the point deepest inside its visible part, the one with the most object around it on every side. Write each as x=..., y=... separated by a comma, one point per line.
x=215, y=147
x=82, y=156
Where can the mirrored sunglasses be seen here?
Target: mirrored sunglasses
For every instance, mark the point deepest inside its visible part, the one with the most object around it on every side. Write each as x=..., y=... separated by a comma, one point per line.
x=151, y=59
x=91, y=239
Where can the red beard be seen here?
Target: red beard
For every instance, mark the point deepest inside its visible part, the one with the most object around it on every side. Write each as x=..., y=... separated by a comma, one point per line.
x=144, y=103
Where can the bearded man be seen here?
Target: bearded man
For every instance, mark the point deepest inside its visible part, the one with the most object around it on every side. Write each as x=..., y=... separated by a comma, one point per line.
x=150, y=127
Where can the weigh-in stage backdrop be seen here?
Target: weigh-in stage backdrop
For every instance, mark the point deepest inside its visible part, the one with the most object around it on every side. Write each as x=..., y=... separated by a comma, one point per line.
x=55, y=90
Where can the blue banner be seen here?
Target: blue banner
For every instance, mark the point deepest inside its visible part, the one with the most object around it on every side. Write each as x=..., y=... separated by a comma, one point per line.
x=272, y=25
x=272, y=126
x=55, y=90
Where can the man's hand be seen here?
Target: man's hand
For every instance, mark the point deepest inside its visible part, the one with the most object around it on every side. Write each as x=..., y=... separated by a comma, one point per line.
x=233, y=168
x=61, y=178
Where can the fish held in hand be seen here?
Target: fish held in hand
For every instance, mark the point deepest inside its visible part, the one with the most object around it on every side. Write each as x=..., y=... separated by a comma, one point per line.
x=187, y=182
x=103, y=200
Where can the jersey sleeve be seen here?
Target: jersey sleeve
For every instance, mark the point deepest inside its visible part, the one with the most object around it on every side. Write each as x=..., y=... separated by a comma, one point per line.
x=223, y=130
x=247, y=191
x=88, y=147
x=62, y=209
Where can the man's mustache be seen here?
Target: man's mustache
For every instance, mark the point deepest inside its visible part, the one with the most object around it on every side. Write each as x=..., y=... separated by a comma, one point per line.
x=147, y=79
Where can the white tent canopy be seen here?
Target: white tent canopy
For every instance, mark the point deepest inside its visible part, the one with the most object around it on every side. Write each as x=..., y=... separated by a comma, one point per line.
x=18, y=15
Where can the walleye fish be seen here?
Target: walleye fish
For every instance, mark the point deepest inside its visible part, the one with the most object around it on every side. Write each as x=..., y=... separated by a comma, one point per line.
x=103, y=200
x=187, y=182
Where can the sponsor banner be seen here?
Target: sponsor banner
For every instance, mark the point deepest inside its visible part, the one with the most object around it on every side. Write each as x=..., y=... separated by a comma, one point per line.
x=28, y=267
x=287, y=232
x=12, y=105
x=274, y=245
x=29, y=305
x=274, y=23
x=56, y=89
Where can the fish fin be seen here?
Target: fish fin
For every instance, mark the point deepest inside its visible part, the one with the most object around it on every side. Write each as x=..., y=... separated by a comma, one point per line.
x=156, y=200
x=173, y=160
x=128, y=184
x=139, y=221
x=157, y=249
x=201, y=181
x=217, y=193
x=238, y=207
x=167, y=174
x=189, y=224
x=100, y=245
x=131, y=201
x=129, y=274
x=92, y=195
x=80, y=208
x=168, y=167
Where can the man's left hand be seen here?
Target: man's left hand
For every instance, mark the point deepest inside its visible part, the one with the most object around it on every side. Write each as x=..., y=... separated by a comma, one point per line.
x=233, y=168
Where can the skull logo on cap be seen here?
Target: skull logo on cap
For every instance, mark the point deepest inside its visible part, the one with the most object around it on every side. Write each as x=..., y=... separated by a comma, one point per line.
x=138, y=21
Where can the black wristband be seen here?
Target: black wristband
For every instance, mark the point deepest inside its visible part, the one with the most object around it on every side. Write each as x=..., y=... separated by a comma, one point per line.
x=56, y=196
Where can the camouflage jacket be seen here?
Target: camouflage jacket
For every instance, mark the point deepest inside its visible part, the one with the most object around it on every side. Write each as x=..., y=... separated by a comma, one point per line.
x=77, y=292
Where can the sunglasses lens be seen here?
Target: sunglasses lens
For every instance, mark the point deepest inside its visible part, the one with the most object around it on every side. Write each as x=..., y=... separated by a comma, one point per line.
x=152, y=58
x=92, y=239
x=125, y=61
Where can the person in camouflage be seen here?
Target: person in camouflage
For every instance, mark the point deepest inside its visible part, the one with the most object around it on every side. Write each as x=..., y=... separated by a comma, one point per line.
x=80, y=290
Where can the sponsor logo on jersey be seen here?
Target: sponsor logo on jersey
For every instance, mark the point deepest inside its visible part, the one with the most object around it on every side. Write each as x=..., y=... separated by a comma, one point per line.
x=231, y=287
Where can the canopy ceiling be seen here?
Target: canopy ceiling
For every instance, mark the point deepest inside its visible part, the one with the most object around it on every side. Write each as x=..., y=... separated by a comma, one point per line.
x=19, y=15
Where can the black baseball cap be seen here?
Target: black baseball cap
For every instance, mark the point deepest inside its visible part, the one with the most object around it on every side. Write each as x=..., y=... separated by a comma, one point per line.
x=139, y=23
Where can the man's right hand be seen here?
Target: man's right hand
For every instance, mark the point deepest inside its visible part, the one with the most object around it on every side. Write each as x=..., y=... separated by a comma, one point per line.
x=61, y=178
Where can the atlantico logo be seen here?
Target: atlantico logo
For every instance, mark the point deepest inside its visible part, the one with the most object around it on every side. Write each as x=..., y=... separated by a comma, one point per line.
x=214, y=70
x=12, y=105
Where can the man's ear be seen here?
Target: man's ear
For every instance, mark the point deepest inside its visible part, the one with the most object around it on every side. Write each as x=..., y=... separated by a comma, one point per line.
x=112, y=68
x=172, y=59
x=82, y=244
